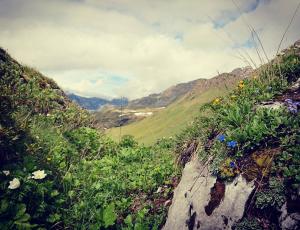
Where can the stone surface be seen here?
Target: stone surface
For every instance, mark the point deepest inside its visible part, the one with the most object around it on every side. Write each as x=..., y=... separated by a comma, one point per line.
x=193, y=194
x=289, y=221
x=271, y=105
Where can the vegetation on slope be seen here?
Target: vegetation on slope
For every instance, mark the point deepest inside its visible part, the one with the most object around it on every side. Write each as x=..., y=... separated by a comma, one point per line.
x=57, y=171
x=237, y=135
x=174, y=118
x=167, y=122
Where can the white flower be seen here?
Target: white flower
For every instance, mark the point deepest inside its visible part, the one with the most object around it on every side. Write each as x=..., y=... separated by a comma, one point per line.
x=6, y=172
x=14, y=184
x=39, y=174
x=159, y=190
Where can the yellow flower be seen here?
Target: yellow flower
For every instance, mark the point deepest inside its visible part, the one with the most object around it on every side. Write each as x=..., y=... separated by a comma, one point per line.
x=241, y=82
x=216, y=101
x=48, y=159
x=241, y=85
x=255, y=77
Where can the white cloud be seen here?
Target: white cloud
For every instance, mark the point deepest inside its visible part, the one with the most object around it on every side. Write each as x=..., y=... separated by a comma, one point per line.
x=150, y=45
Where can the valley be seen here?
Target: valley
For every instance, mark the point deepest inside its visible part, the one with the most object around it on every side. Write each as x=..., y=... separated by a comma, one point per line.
x=149, y=115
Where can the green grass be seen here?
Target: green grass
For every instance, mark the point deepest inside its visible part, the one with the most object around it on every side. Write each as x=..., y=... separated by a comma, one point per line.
x=89, y=181
x=169, y=121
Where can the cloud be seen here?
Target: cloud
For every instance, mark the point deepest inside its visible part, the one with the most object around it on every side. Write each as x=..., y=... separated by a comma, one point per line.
x=136, y=47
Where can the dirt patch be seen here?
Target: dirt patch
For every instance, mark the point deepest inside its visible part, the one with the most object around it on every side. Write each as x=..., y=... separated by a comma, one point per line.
x=293, y=93
x=258, y=164
x=217, y=194
x=186, y=155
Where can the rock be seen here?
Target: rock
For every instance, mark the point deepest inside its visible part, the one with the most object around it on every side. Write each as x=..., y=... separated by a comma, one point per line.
x=289, y=221
x=296, y=85
x=167, y=203
x=297, y=44
x=193, y=206
x=271, y=105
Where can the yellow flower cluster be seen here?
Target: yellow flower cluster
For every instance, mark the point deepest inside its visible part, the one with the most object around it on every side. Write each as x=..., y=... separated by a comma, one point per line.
x=241, y=85
x=216, y=101
x=226, y=171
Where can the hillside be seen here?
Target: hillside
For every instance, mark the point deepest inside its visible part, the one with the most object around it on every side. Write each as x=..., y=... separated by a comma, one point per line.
x=241, y=155
x=96, y=103
x=58, y=172
x=171, y=120
x=173, y=93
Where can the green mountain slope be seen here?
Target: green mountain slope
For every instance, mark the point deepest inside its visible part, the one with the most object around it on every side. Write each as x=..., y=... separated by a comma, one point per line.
x=179, y=114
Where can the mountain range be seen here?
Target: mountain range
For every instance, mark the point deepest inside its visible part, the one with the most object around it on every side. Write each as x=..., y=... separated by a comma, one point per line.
x=96, y=103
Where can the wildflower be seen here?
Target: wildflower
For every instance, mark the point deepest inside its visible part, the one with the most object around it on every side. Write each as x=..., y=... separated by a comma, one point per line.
x=39, y=174
x=241, y=85
x=216, y=101
x=221, y=137
x=159, y=190
x=232, y=164
x=292, y=106
x=49, y=159
x=14, y=184
x=288, y=100
x=6, y=172
x=255, y=77
x=292, y=109
x=231, y=144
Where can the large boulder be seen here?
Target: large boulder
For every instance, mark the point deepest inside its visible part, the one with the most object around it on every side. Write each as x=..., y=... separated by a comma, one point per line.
x=202, y=202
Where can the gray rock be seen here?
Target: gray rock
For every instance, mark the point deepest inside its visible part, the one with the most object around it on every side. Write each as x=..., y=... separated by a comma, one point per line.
x=289, y=221
x=271, y=105
x=296, y=85
x=193, y=194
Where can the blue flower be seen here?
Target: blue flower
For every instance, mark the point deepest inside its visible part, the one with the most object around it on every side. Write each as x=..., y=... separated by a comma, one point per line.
x=221, y=137
x=292, y=109
x=232, y=164
x=231, y=144
x=292, y=106
x=289, y=101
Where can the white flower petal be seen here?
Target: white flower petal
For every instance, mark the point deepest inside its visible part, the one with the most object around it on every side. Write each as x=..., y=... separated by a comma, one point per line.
x=6, y=172
x=39, y=174
x=14, y=184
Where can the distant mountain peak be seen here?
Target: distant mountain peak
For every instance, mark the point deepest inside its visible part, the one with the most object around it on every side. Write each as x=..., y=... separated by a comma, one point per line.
x=96, y=103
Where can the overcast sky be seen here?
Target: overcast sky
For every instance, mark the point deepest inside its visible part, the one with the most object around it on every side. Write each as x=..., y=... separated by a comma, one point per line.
x=133, y=48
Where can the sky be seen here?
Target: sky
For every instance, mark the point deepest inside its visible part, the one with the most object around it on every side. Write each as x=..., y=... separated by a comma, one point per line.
x=132, y=48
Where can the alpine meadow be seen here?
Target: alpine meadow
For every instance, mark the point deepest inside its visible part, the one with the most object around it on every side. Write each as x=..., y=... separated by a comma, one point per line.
x=173, y=115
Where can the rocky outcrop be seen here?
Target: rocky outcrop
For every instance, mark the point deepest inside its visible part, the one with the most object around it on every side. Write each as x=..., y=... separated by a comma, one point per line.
x=202, y=202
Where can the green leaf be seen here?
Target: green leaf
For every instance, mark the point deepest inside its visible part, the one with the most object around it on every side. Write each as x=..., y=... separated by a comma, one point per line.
x=54, y=218
x=3, y=206
x=21, y=211
x=128, y=220
x=24, y=218
x=109, y=215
